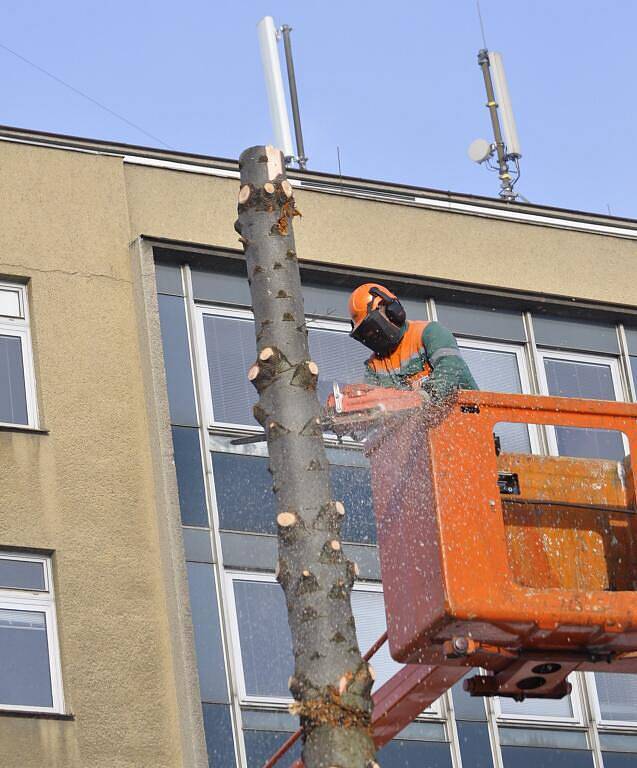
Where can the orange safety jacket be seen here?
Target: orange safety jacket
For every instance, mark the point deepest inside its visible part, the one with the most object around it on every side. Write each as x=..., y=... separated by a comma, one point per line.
x=427, y=353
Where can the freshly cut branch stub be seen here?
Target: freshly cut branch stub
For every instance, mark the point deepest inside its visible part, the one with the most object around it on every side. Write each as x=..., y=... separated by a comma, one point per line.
x=340, y=508
x=286, y=519
x=253, y=372
x=287, y=188
x=269, y=187
x=313, y=367
x=335, y=545
x=244, y=194
x=266, y=354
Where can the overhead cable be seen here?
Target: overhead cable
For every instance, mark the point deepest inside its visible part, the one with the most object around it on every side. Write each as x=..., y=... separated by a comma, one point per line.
x=84, y=95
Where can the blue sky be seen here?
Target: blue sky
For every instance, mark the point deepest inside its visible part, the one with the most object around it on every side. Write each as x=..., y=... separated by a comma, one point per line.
x=395, y=86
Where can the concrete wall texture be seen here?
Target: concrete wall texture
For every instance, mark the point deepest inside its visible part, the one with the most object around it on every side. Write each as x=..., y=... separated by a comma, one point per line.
x=88, y=490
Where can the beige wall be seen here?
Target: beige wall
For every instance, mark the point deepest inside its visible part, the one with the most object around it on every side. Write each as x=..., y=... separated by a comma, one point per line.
x=85, y=490
x=389, y=237
x=88, y=490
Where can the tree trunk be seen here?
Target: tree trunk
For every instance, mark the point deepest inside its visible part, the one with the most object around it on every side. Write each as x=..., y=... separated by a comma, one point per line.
x=331, y=684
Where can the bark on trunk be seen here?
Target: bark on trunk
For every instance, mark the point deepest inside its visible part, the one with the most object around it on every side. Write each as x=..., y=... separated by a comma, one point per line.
x=331, y=684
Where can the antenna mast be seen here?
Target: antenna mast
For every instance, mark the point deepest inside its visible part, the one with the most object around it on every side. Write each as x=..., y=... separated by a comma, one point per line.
x=269, y=36
x=506, y=145
x=294, y=97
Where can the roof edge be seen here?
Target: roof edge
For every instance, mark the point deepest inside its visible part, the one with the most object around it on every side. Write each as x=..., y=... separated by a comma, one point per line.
x=382, y=190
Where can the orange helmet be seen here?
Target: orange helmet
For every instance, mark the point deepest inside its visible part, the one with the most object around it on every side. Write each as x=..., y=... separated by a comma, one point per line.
x=361, y=298
x=378, y=318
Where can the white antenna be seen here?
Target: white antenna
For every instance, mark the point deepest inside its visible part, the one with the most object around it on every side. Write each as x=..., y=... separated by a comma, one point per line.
x=504, y=105
x=503, y=155
x=274, y=86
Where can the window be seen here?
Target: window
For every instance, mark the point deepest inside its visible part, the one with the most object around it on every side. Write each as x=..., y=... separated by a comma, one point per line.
x=585, y=376
x=245, y=501
x=263, y=639
x=616, y=701
x=501, y=368
x=17, y=381
x=230, y=346
x=566, y=710
x=264, y=636
x=30, y=676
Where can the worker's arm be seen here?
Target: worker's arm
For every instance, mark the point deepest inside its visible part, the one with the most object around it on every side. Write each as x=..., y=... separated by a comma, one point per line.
x=449, y=370
x=371, y=377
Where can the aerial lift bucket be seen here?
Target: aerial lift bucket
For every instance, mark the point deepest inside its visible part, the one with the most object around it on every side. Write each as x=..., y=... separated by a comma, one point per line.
x=521, y=564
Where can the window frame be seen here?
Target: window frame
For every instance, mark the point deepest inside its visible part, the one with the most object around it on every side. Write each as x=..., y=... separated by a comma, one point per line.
x=576, y=720
x=278, y=702
x=20, y=327
x=519, y=351
x=609, y=361
x=201, y=311
x=233, y=428
x=37, y=601
x=623, y=726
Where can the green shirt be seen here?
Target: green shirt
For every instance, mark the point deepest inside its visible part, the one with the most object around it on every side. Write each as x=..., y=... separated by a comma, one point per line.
x=439, y=350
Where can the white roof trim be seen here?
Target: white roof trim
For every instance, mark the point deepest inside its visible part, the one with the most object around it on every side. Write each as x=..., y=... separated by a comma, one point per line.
x=472, y=209
x=432, y=203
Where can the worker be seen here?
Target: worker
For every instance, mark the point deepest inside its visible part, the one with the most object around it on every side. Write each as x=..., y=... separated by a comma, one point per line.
x=408, y=354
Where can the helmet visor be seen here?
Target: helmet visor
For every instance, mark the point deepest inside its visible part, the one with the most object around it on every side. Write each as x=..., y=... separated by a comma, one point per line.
x=377, y=333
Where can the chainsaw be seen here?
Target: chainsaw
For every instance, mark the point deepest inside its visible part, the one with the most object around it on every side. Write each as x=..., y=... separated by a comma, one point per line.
x=355, y=410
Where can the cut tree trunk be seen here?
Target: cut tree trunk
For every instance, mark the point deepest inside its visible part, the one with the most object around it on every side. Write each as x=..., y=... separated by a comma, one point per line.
x=331, y=683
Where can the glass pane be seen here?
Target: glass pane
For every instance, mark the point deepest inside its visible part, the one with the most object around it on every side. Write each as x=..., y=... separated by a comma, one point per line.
x=243, y=487
x=219, y=740
x=325, y=300
x=467, y=707
x=192, y=496
x=618, y=760
x=497, y=371
x=264, y=636
x=574, y=334
x=260, y=745
x=353, y=486
x=168, y=279
x=174, y=335
x=339, y=358
x=538, y=707
x=565, y=738
x=205, y=619
x=221, y=286
x=631, y=339
x=21, y=574
x=618, y=742
x=475, y=746
x=231, y=350
x=566, y=378
x=197, y=545
x=617, y=695
x=401, y=753
x=481, y=321
x=13, y=397
x=633, y=368
x=369, y=615
x=10, y=305
x=25, y=677
x=569, y=378
x=532, y=757
x=245, y=500
x=266, y=644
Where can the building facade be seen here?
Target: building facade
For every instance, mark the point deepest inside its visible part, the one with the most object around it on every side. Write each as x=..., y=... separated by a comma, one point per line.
x=140, y=621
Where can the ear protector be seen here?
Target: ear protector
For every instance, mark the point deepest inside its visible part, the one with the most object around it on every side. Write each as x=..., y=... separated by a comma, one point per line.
x=393, y=308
